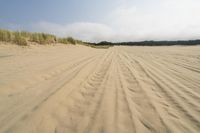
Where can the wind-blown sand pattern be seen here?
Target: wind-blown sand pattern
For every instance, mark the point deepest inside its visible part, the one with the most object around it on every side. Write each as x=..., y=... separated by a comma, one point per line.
x=77, y=89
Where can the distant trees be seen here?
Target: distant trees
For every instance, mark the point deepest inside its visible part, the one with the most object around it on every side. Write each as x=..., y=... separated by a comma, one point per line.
x=105, y=43
x=23, y=37
x=151, y=43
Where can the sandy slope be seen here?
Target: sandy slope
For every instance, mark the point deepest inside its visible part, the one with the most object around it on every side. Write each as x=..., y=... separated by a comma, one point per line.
x=68, y=89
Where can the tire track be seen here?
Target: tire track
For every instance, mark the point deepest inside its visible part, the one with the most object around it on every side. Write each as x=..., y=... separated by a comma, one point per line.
x=151, y=120
x=92, y=115
x=82, y=103
x=162, y=107
x=168, y=91
x=125, y=112
x=106, y=118
x=19, y=112
x=186, y=93
x=191, y=82
x=115, y=90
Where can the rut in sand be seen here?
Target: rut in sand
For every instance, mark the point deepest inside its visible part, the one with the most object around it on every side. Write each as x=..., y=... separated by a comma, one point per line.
x=84, y=90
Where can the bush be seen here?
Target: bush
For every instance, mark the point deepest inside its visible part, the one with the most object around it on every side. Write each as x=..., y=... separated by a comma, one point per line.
x=71, y=40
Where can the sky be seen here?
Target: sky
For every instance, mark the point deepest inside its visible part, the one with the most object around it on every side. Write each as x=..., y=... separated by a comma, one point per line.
x=105, y=20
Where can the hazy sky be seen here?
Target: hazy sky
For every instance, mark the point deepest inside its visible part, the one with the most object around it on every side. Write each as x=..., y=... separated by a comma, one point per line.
x=111, y=20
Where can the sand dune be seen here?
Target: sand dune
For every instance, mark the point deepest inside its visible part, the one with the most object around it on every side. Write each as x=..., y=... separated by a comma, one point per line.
x=77, y=89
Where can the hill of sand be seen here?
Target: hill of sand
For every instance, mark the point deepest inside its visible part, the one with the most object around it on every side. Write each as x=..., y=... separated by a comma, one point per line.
x=77, y=89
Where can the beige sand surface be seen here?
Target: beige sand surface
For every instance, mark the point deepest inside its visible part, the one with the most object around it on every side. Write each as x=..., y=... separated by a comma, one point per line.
x=77, y=89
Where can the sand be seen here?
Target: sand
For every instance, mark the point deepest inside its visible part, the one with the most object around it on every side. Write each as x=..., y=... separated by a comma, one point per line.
x=77, y=89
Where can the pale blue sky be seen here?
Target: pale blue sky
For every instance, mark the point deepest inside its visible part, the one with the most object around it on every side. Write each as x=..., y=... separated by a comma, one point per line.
x=58, y=11
x=111, y=20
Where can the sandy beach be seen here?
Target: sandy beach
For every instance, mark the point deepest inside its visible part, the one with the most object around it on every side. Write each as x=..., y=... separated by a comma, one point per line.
x=78, y=89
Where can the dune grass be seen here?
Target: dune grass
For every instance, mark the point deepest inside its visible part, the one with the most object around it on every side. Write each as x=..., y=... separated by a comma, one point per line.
x=43, y=38
x=23, y=37
x=14, y=37
x=5, y=35
x=19, y=39
x=68, y=40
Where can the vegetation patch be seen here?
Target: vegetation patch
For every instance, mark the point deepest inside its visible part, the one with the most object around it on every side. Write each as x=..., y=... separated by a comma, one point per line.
x=23, y=37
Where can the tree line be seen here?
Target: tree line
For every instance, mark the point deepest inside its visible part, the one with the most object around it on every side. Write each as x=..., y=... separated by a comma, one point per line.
x=149, y=43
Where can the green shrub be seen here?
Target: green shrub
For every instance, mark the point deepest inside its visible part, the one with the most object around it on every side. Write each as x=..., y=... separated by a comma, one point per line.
x=71, y=40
